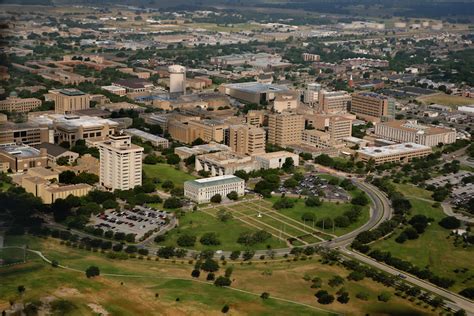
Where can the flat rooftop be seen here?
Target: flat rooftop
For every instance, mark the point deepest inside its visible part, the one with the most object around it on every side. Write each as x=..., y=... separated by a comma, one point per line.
x=257, y=87
x=144, y=135
x=209, y=182
x=20, y=151
x=372, y=95
x=414, y=127
x=396, y=149
x=73, y=121
x=71, y=92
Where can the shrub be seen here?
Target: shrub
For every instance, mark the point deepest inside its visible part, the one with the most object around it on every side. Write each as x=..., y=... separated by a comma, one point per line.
x=92, y=271
x=222, y=281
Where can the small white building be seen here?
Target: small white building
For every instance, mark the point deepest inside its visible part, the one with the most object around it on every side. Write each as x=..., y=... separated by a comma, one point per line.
x=202, y=190
x=115, y=90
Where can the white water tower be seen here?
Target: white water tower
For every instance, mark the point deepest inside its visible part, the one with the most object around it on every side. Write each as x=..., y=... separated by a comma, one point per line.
x=177, y=79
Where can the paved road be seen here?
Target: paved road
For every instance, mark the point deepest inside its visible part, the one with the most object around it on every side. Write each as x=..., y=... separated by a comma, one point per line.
x=457, y=300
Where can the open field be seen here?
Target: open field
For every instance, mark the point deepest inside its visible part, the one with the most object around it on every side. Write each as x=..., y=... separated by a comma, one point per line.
x=434, y=248
x=198, y=223
x=165, y=172
x=135, y=294
x=446, y=99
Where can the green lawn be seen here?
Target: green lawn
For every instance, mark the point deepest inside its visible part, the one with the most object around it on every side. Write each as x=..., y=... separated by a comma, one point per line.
x=433, y=248
x=412, y=190
x=197, y=223
x=137, y=295
x=327, y=209
x=167, y=172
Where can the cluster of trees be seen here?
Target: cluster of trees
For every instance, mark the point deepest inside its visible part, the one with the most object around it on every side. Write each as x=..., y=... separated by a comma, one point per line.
x=70, y=177
x=170, y=252
x=252, y=238
x=425, y=274
x=284, y=202
x=270, y=182
x=293, y=181
x=418, y=224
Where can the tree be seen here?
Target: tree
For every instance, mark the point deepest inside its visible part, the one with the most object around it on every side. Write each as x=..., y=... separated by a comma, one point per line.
x=198, y=141
x=151, y=159
x=172, y=159
x=62, y=161
x=336, y=281
x=172, y=203
x=166, y=252
x=92, y=271
x=210, y=276
x=222, y=281
x=265, y=296
x=21, y=289
x=225, y=309
x=361, y=199
x=67, y=177
x=288, y=165
x=186, y=240
x=384, y=296
x=290, y=183
x=233, y=196
x=450, y=222
x=217, y=198
x=343, y=298
x=234, y=255
x=210, y=265
x=242, y=174
x=468, y=292
x=195, y=273
x=228, y=272
x=209, y=239
x=313, y=201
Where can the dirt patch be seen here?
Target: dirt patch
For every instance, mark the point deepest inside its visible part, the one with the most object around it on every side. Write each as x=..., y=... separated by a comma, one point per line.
x=66, y=291
x=98, y=309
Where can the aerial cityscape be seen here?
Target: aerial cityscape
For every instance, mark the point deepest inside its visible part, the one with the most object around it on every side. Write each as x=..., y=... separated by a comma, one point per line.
x=236, y=157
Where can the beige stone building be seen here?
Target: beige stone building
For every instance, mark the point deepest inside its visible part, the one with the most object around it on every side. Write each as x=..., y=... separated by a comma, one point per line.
x=411, y=131
x=24, y=133
x=286, y=101
x=120, y=163
x=285, y=129
x=15, y=104
x=255, y=118
x=202, y=190
x=22, y=157
x=337, y=126
x=43, y=183
x=398, y=153
x=334, y=102
x=371, y=106
x=188, y=129
x=246, y=139
x=69, y=100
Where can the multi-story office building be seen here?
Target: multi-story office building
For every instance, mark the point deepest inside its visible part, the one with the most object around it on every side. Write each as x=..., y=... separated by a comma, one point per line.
x=255, y=118
x=246, y=139
x=286, y=101
x=207, y=130
x=25, y=133
x=202, y=190
x=372, y=106
x=311, y=94
x=15, y=104
x=285, y=128
x=120, y=163
x=69, y=100
x=398, y=153
x=337, y=126
x=317, y=138
x=70, y=128
x=334, y=102
x=411, y=131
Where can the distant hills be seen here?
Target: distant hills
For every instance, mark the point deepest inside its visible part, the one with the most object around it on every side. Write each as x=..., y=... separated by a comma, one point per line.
x=408, y=8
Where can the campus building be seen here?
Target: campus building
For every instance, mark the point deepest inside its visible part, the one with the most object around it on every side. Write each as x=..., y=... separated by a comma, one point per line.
x=337, y=126
x=334, y=102
x=411, y=131
x=372, y=107
x=246, y=139
x=25, y=133
x=252, y=92
x=69, y=100
x=155, y=140
x=286, y=101
x=255, y=118
x=398, y=153
x=43, y=183
x=15, y=104
x=202, y=190
x=22, y=157
x=285, y=128
x=187, y=129
x=120, y=163
x=55, y=152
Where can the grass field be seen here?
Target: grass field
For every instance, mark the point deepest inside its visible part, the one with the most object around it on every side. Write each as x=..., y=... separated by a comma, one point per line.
x=137, y=295
x=433, y=248
x=198, y=223
x=446, y=99
x=167, y=172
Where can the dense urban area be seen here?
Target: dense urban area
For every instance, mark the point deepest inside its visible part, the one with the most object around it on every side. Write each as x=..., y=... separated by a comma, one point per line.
x=236, y=157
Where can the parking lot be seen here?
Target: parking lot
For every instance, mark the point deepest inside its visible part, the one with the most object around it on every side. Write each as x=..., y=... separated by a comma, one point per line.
x=453, y=179
x=137, y=221
x=314, y=185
